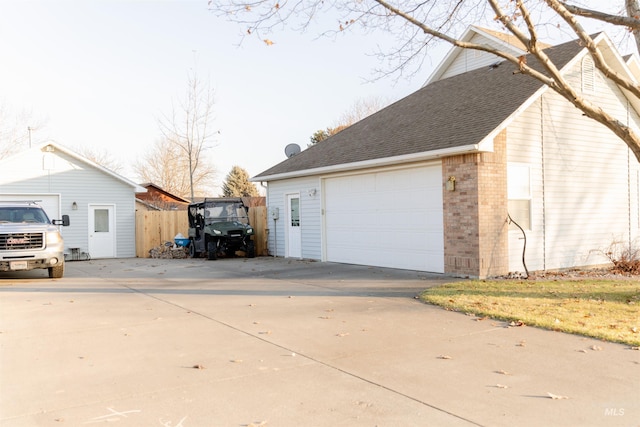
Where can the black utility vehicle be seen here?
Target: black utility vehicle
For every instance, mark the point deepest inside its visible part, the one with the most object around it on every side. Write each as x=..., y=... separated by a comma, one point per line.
x=220, y=226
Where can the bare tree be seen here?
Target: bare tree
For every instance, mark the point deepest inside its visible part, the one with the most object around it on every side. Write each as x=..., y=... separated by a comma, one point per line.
x=102, y=158
x=188, y=128
x=418, y=23
x=166, y=166
x=358, y=111
x=18, y=131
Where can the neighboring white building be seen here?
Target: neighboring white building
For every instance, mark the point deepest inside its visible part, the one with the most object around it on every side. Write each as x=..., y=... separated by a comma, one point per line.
x=100, y=203
x=382, y=191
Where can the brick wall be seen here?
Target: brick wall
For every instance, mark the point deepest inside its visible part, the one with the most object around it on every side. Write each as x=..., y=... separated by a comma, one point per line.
x=475, y=228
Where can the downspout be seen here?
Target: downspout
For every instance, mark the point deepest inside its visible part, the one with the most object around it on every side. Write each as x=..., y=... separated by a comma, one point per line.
x=544, y=193
x=629, y=175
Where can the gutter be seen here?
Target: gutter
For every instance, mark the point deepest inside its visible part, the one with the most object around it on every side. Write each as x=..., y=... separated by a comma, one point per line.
x=386, y=161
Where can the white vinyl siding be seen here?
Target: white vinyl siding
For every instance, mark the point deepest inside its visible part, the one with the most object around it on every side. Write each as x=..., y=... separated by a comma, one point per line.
x=470, y=59
x=310, y=218
x=582, y=195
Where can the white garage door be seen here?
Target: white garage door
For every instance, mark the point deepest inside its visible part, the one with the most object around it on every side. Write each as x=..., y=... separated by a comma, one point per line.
x=387, y=219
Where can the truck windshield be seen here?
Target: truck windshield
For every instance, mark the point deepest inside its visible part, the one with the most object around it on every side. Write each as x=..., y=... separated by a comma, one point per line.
x=22, y=215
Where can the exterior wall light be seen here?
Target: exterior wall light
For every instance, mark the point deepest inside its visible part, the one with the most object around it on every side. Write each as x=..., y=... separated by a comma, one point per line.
x=312, y=192
x=451, y=183
x=74, y=206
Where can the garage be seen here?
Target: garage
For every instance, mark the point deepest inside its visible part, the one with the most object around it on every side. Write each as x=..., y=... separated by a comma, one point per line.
x=388, y=218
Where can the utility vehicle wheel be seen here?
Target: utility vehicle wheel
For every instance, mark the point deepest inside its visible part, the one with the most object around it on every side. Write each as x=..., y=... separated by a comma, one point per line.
x=212, y=251
x=192, y=249
x=251, y=250
x=56, y=272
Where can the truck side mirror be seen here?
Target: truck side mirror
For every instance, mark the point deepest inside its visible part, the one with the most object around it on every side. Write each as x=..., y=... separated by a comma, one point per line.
x=65, y=221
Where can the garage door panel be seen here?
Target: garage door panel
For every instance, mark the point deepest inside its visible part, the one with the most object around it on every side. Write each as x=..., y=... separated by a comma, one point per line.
x=389, y=219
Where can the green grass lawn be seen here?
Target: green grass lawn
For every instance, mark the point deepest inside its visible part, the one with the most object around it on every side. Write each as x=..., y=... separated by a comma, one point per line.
x=605, y=309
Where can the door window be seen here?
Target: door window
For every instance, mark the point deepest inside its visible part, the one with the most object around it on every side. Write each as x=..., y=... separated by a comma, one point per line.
x=295, y=212
x=101, y=220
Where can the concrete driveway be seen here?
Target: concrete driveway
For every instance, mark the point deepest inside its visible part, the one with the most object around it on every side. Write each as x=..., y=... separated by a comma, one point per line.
x=277, y=342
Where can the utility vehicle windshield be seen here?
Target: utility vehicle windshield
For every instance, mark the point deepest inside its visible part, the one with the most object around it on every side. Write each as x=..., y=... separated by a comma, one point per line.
x=225, y=211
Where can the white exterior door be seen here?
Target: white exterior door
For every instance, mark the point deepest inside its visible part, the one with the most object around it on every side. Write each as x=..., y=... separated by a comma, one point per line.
x=388, y=219
x=102, y=233
x=293, y=237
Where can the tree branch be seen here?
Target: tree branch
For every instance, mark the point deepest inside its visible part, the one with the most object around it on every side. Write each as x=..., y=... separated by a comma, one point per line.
x=596, y=53
x=631, y=22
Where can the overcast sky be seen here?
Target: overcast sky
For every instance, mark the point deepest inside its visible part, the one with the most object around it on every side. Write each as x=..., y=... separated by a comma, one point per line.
x=99, y=73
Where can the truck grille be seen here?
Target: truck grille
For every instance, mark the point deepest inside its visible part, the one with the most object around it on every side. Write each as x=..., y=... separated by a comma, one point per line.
x=21, y=241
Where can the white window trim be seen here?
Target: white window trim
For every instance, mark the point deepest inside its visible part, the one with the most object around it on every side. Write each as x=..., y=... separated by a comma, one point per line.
x=520, y=197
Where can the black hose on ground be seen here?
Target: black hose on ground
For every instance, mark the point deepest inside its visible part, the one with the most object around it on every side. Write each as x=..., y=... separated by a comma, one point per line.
x=524, y=247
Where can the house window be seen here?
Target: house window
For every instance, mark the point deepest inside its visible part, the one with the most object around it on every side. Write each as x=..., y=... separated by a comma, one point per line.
x=519, y=193
x=588, y=75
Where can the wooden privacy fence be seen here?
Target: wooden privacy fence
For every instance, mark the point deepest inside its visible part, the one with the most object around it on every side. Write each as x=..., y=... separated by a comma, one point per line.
x=153, y=228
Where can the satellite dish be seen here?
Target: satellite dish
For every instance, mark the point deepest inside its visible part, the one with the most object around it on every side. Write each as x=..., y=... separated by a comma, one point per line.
x=291, y=150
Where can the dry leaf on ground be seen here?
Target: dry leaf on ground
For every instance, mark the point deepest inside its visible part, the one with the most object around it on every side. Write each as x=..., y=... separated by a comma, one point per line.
x=555, y=396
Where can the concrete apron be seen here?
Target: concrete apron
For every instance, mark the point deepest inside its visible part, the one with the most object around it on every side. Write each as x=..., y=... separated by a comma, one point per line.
x=279, y=342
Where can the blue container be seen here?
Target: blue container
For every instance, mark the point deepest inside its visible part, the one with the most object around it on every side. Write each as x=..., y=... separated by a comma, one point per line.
x=181, y=242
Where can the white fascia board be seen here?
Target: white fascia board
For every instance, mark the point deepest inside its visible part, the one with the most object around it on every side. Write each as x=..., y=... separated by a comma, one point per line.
x=505, y=45
x=617, y=62
x=138, y=189
x=490, y=137
x=444, y=64
x=506, y=122
x=450, y=56
x=387, y=161
x=466, y=37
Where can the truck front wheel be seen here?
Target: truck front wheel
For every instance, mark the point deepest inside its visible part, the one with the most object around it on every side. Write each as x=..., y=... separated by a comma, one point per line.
x=56, y=272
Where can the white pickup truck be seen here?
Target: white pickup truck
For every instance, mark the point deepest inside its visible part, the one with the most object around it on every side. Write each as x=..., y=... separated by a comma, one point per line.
x=29, y=239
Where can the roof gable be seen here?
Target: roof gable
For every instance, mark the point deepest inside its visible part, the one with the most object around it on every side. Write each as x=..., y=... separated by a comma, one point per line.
x=51, y=147
x=460, y=60
x=447, y=116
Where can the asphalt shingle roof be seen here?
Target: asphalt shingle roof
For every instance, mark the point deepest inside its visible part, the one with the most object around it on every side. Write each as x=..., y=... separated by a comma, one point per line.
x=454, y=112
